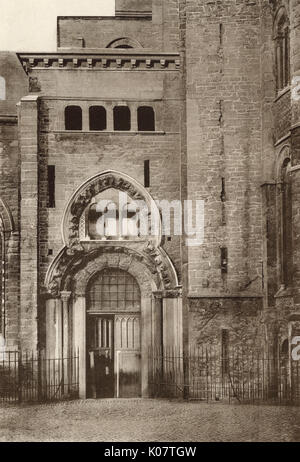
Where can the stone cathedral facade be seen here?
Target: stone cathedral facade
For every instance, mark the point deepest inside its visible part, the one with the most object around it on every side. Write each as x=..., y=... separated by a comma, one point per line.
x=169, y=100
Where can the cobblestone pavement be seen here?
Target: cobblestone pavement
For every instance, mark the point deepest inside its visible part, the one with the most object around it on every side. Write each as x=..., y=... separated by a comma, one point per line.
x=148, y=420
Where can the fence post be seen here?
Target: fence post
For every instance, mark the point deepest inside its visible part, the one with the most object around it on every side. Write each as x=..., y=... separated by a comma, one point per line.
x=40, y=387
x=20, y=376
x=186, y=378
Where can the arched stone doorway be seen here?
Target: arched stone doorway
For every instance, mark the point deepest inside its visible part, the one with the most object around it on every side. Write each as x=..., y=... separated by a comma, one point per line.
x=113, y=335
x=67, y=313
x=79, y=264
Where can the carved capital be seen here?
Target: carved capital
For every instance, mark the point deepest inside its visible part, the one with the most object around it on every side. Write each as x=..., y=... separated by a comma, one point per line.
x=158, y=295
x=65, y=295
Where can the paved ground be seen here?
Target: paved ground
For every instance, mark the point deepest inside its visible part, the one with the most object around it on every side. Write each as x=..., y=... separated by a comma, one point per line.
x=148, y=420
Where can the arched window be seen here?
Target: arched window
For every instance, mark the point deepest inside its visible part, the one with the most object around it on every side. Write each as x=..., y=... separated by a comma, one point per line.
x=124, y=42
x=146, y=119
x=282, y=49
x=97, y=118
x=122, y=120
x=286, y=224
x=113, y=290
x=73, y=118
x=2, y=89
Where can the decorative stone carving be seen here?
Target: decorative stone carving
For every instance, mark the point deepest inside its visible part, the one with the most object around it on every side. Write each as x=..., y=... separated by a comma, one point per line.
x=74, y=247
x=84, y=197
x=7, y=218
x=70, y=263
x=76, y=254
x=108, y=60
x=158, y=259
x=65, y=295
x=116, y=259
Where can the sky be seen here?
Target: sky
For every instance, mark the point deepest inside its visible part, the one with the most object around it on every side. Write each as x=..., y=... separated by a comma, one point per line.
x=30, y=25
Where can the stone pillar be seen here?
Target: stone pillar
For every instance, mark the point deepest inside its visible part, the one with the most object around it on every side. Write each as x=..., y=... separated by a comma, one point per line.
x=269, y=231
x=172, y=323
x=58, y=329
x=173, y=337
x=53, y=340
x=178, y=324
x=134, y=116
x=157, y=320
x=28, y=129
x=51, y=308
x=110, y=117
x=85, y=117
x=79, y=340
x=66, y=346
x=146, y=329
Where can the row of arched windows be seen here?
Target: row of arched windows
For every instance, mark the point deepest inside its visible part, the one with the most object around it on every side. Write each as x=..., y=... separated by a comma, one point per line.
x=121, y=118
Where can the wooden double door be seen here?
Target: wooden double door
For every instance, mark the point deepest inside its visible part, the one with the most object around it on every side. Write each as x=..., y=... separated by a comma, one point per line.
x=113, y=356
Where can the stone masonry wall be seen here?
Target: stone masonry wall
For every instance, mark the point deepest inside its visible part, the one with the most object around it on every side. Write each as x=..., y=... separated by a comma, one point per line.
x=29, y=223
x=16, y=86
x=100, y=32
x=161, y=32
x=224, y=141
x=282, y=116
x=78, y=156
x=208, y=317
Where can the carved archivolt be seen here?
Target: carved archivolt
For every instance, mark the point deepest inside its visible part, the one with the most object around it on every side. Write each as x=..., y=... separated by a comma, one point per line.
x=7, y=219
x=84, y=195
x=76, y=256
x=282, y=155
x=152, y=263
x=144, y=274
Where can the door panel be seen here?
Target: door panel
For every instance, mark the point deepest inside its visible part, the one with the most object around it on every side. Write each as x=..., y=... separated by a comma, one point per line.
x=127, y=356
x=100, y=360
x=113, y=356
x=129, y=376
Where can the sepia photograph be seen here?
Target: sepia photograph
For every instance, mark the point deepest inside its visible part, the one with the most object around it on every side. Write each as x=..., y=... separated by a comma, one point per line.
x=149, y=223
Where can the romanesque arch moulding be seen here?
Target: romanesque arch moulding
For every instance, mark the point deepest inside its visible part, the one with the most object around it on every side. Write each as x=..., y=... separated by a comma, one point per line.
x=145, y=276
x=109, y=179
x=77, y=256
x=281, y=15
x=124, y=42
x=6, y=217
x=283, y=154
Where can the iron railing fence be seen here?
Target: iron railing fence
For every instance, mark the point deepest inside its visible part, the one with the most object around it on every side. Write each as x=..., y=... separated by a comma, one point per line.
x=33, y=377
x=204, y=374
